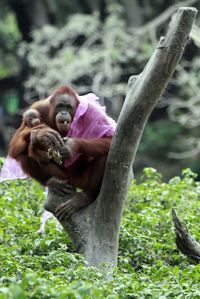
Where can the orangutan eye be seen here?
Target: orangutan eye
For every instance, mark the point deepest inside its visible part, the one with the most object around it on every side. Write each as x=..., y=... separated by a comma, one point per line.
x=61, y=105
x=68, y=107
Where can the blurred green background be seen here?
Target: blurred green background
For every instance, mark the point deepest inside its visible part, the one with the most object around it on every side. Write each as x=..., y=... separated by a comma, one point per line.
x=95, y=46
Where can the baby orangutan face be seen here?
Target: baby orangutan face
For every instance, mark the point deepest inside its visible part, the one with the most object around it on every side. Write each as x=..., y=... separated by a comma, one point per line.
x=31, y=118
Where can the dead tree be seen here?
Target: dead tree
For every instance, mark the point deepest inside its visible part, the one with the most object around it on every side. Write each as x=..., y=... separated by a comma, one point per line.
x=184, y=241
x=95, y=229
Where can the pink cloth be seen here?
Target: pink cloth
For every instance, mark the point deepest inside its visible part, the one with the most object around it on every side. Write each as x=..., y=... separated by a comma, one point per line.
x=90, y=121
x=43, y=220
x=11, y=170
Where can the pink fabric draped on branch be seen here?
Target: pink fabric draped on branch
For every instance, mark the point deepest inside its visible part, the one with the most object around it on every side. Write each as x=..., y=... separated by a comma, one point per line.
x=90, y=121
x=11, y=170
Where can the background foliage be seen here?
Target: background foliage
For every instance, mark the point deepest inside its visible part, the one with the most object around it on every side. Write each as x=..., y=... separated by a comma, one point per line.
x=96, y=46
x=45, y=266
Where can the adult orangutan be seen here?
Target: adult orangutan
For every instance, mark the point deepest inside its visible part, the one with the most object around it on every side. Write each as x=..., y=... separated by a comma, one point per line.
x=89, y=134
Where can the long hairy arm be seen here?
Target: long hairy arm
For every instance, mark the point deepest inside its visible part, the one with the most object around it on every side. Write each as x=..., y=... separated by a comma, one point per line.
x=89, y=147
x=19, y=142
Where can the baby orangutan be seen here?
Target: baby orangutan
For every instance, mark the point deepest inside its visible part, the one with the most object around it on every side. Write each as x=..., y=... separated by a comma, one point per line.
x=46, y=142
x=44, y=147
x=20, y=140
x=31, y=118
x=37, y=155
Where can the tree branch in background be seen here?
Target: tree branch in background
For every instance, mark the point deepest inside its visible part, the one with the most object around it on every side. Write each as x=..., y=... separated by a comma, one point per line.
x=163, y=17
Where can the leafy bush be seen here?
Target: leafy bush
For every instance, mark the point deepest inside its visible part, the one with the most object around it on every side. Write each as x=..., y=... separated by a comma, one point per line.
x=150, y=266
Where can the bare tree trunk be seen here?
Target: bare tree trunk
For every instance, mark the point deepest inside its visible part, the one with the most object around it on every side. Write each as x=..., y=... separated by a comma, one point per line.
x=95, y=229
x=133, y=13
x=30, y=15
x=184, y=241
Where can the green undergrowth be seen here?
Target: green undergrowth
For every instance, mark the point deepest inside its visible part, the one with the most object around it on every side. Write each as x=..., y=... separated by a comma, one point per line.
x=150, y=266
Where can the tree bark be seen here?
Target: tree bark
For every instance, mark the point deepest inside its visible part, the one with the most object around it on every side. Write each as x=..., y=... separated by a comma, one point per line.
x=184, y=241
x=133, y=13
x=95, y=229
x=29, y=15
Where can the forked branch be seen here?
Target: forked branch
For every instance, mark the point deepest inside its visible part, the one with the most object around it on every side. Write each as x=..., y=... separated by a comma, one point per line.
x=95, y=229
